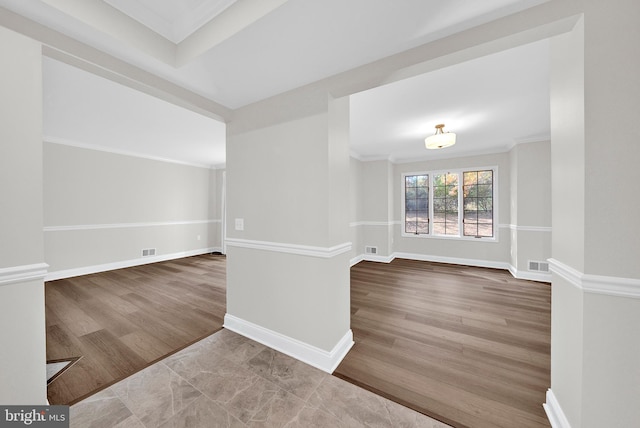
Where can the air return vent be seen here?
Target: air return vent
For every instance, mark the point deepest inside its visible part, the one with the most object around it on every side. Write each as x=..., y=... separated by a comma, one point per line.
x=148, y=252
x=538, y=266
x=371, y=250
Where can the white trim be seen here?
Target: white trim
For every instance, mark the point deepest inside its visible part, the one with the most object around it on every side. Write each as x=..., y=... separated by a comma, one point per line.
x=528, y=228
x=554, y=412
x=531, y=276
x=24, y=273
x=379, y=259
x=280, y=247
x=125, y=225
x=373, y=223
x=357, y=259
x=316, y=357
x=87, y=270
x=597, y=284
x=452, y=260
x=99, y=148
x=518, y=274
x=495, y=184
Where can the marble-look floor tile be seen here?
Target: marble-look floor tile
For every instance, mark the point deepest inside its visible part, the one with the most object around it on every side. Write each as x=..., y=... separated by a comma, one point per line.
x=227, y=380
x=203, y=413
x=103, y=409
x=290, y=374
x=131, y=422
x=355, y=406
x=217, y=377
x=155, y=394
x=246, y=403
x=317, y=418
x=237, y=347
x=278, y=411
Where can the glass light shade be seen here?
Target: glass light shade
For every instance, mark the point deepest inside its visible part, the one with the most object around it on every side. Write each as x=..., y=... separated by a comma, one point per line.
x=440, y=141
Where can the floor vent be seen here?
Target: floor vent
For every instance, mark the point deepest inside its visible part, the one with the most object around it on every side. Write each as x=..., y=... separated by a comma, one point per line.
x=538, y=266
x=371, y=250
x=148, y=252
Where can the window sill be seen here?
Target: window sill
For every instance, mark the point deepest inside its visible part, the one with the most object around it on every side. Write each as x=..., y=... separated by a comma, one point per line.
x=451, y=238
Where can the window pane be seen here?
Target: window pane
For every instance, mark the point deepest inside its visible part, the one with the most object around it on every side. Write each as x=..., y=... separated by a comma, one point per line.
x=485, y=230
x=423, y=216
x=470, y=216
x=422, y=204
x=478, y=203
x=485, y=177
x=416, y=203
x=445, y=204
x=470, y=229
x=470, y=178
x=485, y=190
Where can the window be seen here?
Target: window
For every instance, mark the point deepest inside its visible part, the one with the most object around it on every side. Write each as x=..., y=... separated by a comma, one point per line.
x=416, y=200
x=478, y=203
x=432, y=201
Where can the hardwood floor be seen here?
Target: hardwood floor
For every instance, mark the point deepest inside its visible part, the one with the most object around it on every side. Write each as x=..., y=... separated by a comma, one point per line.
x=468, y=346
x=122, y=321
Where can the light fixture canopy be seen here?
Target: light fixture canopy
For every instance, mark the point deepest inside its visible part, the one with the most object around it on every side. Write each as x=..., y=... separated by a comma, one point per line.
x=440, y=139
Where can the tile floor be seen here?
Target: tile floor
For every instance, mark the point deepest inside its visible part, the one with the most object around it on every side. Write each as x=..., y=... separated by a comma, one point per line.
x=227, y=380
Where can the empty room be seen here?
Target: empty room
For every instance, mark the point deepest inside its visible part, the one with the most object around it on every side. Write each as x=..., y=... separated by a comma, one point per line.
x=299, y=213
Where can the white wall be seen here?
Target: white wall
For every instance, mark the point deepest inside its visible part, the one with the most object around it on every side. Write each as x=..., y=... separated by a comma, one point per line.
x=288, y=269
x=101, y=209
x=355, y=209
x=22, y=337
x=530, y=225
x=523, y=182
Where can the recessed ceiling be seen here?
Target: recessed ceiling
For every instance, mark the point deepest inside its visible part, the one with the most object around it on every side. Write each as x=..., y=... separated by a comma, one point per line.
x=174, y=20
x=248, y=51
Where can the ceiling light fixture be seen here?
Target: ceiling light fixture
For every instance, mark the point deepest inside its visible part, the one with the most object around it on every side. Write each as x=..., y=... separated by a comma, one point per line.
x=440, y=139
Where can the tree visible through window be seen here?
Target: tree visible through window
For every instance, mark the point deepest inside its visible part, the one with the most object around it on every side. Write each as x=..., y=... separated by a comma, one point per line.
x=433, y=202
x=478, y=203
x=416, y=201
x=445, y=204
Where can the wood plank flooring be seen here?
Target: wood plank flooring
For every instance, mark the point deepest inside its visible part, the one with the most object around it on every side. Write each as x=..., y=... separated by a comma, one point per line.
x=468, y=346
x=124, y=320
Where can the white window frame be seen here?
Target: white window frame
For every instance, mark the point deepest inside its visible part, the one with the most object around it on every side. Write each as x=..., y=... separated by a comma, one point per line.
x=460, y=172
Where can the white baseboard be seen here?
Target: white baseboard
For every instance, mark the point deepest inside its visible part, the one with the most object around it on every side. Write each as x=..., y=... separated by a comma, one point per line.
x=452, y=260
x=87, y=270
x=556, y=416
x=316, y=357
x=356, y=260
x=531, y=276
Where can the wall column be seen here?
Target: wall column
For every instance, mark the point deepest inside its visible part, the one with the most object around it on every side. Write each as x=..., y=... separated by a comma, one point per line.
x=595, y=93
x=288, y=243
x=22, y=268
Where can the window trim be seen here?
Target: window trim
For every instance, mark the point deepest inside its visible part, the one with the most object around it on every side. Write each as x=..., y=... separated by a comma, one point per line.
x=460, y=172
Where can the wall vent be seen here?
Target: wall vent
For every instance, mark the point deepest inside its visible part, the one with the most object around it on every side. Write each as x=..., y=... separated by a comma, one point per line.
x=371, y=250
x=538, y=266
x=148, y=252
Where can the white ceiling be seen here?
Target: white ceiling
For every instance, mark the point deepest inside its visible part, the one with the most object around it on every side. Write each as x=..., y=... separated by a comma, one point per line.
x=246, y=50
